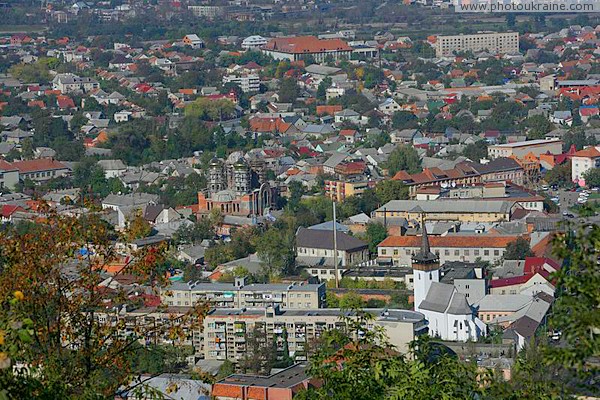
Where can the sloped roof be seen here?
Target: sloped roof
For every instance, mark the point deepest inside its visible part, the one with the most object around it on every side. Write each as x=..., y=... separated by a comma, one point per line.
x=306, y=45
x=323, y=239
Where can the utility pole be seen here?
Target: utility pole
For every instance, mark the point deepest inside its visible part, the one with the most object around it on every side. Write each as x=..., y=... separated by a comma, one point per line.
x=335, y=258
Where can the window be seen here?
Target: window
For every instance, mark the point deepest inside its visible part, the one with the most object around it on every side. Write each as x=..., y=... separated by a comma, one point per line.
x=383, y=252
x=395, y=252
x=486, y=252
x=496, y=252
x=407, y=251
x=446, y=252
x=466, y=252
x=456, y=252
x=476, y=252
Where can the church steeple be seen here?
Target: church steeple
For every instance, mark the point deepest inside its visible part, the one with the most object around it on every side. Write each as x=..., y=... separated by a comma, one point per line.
x=424, y=260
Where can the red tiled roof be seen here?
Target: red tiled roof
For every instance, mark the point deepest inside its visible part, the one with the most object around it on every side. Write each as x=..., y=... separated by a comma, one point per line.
x=6, y=166
x=9, y=209
x=225, y=390
x=450, y=241
x=269, y=125
x=306, y=45
x=41, y=164
x=65, y=102
x=590, y=152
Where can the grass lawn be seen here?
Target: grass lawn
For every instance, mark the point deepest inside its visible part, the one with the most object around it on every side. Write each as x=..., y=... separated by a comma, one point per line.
x=22, y=28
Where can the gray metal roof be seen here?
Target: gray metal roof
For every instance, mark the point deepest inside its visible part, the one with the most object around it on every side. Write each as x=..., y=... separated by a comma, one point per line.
x=319, y=239
x=449, y=206
x=438, y=297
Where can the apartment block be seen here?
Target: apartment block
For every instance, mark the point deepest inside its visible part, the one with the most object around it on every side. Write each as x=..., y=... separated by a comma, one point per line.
x=248, y=83
x=206, y=11
x=226, y=331
x=504, y=43
x=239, y=295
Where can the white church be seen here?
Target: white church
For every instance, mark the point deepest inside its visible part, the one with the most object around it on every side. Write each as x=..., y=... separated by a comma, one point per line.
x=448, y=312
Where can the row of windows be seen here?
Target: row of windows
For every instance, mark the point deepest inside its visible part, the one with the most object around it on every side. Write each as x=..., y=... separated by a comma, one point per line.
x=40, y=174
x=465, y=252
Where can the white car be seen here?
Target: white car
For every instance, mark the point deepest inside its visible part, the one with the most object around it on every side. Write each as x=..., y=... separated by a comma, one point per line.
x=582, y=201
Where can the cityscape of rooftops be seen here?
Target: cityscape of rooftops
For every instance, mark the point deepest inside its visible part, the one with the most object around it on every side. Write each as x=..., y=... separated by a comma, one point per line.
x=299, y=199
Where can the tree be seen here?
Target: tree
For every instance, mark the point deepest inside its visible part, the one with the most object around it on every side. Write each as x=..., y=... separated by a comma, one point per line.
x=259, y=356
x=375, y=234
x=476, y=151
x=560, y=175
x=322, y=89
x=138, y=227
x=518, y=250
x=576, y=311
x=226, y=369
x=592, y=177
x=212, y=110
x=52, y=321
x=288, y=90
x=577, y=138
x=194, y=233
x=403, y=158
x=27, y=149
x=351, y=301
x=391, y=190
x=537, y=126
x=404, y=120
x=276, y=248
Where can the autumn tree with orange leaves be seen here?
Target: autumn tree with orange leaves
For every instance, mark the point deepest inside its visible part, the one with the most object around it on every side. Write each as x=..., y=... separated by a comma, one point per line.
x=52, y=342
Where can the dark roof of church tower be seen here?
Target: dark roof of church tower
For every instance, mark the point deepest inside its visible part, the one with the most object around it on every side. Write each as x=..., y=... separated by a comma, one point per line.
x=424, y=256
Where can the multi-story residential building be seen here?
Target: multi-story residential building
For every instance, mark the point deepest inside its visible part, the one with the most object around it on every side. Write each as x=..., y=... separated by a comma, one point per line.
x=248, y=83
x=521, y=149
x=339, y=190
x=209, y=12
x=239, y=295
x=448, y=210
x=503, y=42
x=68, y=83
x=464, y=174
x=582, y=161
x=226, y=331
x=451, y=248
x=297, y=48
x=41, y=169
x=254, y=42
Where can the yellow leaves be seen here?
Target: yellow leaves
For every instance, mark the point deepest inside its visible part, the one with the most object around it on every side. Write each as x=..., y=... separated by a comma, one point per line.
x=4, y=360
x=1, y=338
x=19, y=295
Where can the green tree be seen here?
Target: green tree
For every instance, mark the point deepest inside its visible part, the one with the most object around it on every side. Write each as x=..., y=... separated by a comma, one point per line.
x=404, y=120
x=259, y=356
x=391, y=190
x=322, y=88
x=518, y=250
x=375, y=234
x=476, y=151
x=403, y=158
x=576, y=311
x=288, y=90
x=194, y=233
x=537, y=127
x=560, y=175
x=592, y=177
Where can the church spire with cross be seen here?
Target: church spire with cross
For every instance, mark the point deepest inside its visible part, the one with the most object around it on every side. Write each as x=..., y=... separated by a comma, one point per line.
x=424, y=260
